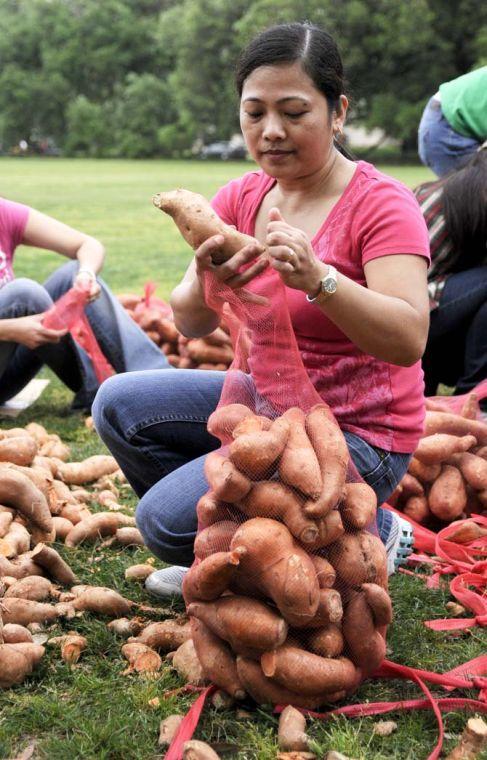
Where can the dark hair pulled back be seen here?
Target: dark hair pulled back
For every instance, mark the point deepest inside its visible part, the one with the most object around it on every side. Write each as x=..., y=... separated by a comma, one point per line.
x=465, y=210
x=306, y=43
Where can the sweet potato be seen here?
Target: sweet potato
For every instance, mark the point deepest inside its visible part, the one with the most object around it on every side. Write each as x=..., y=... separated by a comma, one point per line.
x=20, y=450
x=379, y=602
x=62, y=526
x=208, y=579
x=327, y=641
x=197, y=750
x=138, y=572
x=32, y=587
x=331, y=450
x=359, y=505
x=435, y=448
x=186, y=662
x=200, y=351
x=364, y=644
x=78, y=473
x=229, y=616
x=279, y=568
x=291, y=733
x=13, y=633
x=330, y=528
x=416, y=507
x=16, y=541
x=473, y=469
x=49, y=559
x=16, y=490
x=466, y=532
x=104, y=601
x=71, y=645
x=25, y=611
x=127, y=536
x=298, y=466
x=325, y=572
x=37, y=431
x=269, y=498
x=448, y=496
x=454, y=424
x=197, y=221
x=359, y=558
x=266, y=690
x=308, y=673
x=215, y=538
x=17, y=661
x=126, y=626
x=330, y=609
x=141, y=658
x=426, y=473
x=218, y=662
x=225, y=480
x=168, y=729
x=19, y=568
x=167, y=635
x=256, y=454
x=210, y=510
x=75, y=513
x=222, y=422
x=93, y=527
x=5, y=522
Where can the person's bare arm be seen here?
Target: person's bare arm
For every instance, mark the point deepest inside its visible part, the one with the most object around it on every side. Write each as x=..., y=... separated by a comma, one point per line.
x=43, y=231
x=388, y=319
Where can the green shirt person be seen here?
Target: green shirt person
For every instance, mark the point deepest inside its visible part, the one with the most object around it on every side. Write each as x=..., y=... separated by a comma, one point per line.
x=454, y=123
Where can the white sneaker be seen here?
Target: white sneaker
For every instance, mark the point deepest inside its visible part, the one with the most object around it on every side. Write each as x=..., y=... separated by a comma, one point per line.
x=399, y=544
x=166, y=582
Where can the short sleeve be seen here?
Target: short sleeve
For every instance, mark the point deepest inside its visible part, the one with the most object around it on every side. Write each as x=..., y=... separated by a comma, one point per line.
x=225, y=202
x=389, y=221
x=13, y=220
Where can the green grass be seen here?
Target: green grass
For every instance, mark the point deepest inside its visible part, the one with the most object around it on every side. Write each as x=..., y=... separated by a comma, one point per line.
x=91, y=711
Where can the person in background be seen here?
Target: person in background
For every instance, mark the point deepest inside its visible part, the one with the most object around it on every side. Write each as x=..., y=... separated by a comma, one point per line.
x=25, y=344
x=454, y=123
x=351, y=247
x=455, y=211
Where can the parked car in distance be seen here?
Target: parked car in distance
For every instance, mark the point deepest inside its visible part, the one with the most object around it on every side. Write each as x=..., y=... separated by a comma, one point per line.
x=224, y=150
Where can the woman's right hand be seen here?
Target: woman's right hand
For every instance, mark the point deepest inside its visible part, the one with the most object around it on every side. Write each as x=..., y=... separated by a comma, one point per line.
x=30, y=332
x=229, y=272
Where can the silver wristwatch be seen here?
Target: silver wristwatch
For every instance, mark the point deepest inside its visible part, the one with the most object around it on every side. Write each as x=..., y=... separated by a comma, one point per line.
x=328, y=286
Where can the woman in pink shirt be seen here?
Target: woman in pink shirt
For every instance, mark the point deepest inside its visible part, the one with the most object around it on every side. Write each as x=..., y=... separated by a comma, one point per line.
x=351, y=247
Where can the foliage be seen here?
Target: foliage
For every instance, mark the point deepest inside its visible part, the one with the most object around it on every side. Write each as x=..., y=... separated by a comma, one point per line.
x=152, y=76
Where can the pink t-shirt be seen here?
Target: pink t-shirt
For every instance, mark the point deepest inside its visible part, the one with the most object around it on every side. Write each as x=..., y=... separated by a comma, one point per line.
x=13, y=219
x=376, y=216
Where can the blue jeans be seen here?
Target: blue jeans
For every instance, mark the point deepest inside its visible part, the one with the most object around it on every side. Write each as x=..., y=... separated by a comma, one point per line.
x=456, y=351
x=154, y=423
x=122, y=341
x=439, y=146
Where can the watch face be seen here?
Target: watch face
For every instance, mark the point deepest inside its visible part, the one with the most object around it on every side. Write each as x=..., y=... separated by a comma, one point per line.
x=329, y=285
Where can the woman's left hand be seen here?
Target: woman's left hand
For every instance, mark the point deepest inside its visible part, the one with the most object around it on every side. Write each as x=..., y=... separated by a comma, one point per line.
x=292, y=255
x=85, y=280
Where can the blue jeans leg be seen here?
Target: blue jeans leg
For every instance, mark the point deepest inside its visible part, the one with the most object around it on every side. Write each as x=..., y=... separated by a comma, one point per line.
x=154, y=423
x=19, y=364
x=440, y=147
x=456, y=351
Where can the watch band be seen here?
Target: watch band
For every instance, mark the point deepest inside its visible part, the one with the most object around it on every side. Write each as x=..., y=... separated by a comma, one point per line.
x=328, y=286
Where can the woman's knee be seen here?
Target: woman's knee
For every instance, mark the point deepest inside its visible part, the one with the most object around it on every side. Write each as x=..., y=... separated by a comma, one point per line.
x=108, y=403
x=27, y=296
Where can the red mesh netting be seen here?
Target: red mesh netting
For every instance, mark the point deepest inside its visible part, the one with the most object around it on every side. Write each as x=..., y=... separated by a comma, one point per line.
x=288, y=594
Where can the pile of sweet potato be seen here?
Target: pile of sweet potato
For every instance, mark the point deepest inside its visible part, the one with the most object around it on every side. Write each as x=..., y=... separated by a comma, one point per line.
x=283, y=531
x=211, y=352
x=447, y=477
x=41, y=500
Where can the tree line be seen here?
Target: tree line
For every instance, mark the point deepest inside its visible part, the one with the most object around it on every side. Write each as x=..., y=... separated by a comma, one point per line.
x=143, y=78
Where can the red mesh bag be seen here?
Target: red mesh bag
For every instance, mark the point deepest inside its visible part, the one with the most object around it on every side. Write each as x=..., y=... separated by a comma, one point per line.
x=69, y=311
x=467, y=405
x=288, y=594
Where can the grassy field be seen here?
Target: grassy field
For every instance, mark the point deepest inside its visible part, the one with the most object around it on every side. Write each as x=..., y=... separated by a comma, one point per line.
x=92, y=711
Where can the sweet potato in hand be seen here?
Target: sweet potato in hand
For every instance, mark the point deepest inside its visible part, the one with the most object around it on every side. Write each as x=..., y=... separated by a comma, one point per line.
x=197, y=221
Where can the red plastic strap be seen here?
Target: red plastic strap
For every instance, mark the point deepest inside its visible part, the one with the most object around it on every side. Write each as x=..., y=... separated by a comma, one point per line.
x=188, y=725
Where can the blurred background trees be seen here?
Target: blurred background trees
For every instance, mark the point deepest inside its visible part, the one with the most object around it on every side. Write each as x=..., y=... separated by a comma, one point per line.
x=142, y=78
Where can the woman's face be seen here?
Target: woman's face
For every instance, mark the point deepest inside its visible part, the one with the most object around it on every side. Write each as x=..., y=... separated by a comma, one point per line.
x=286, y=121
